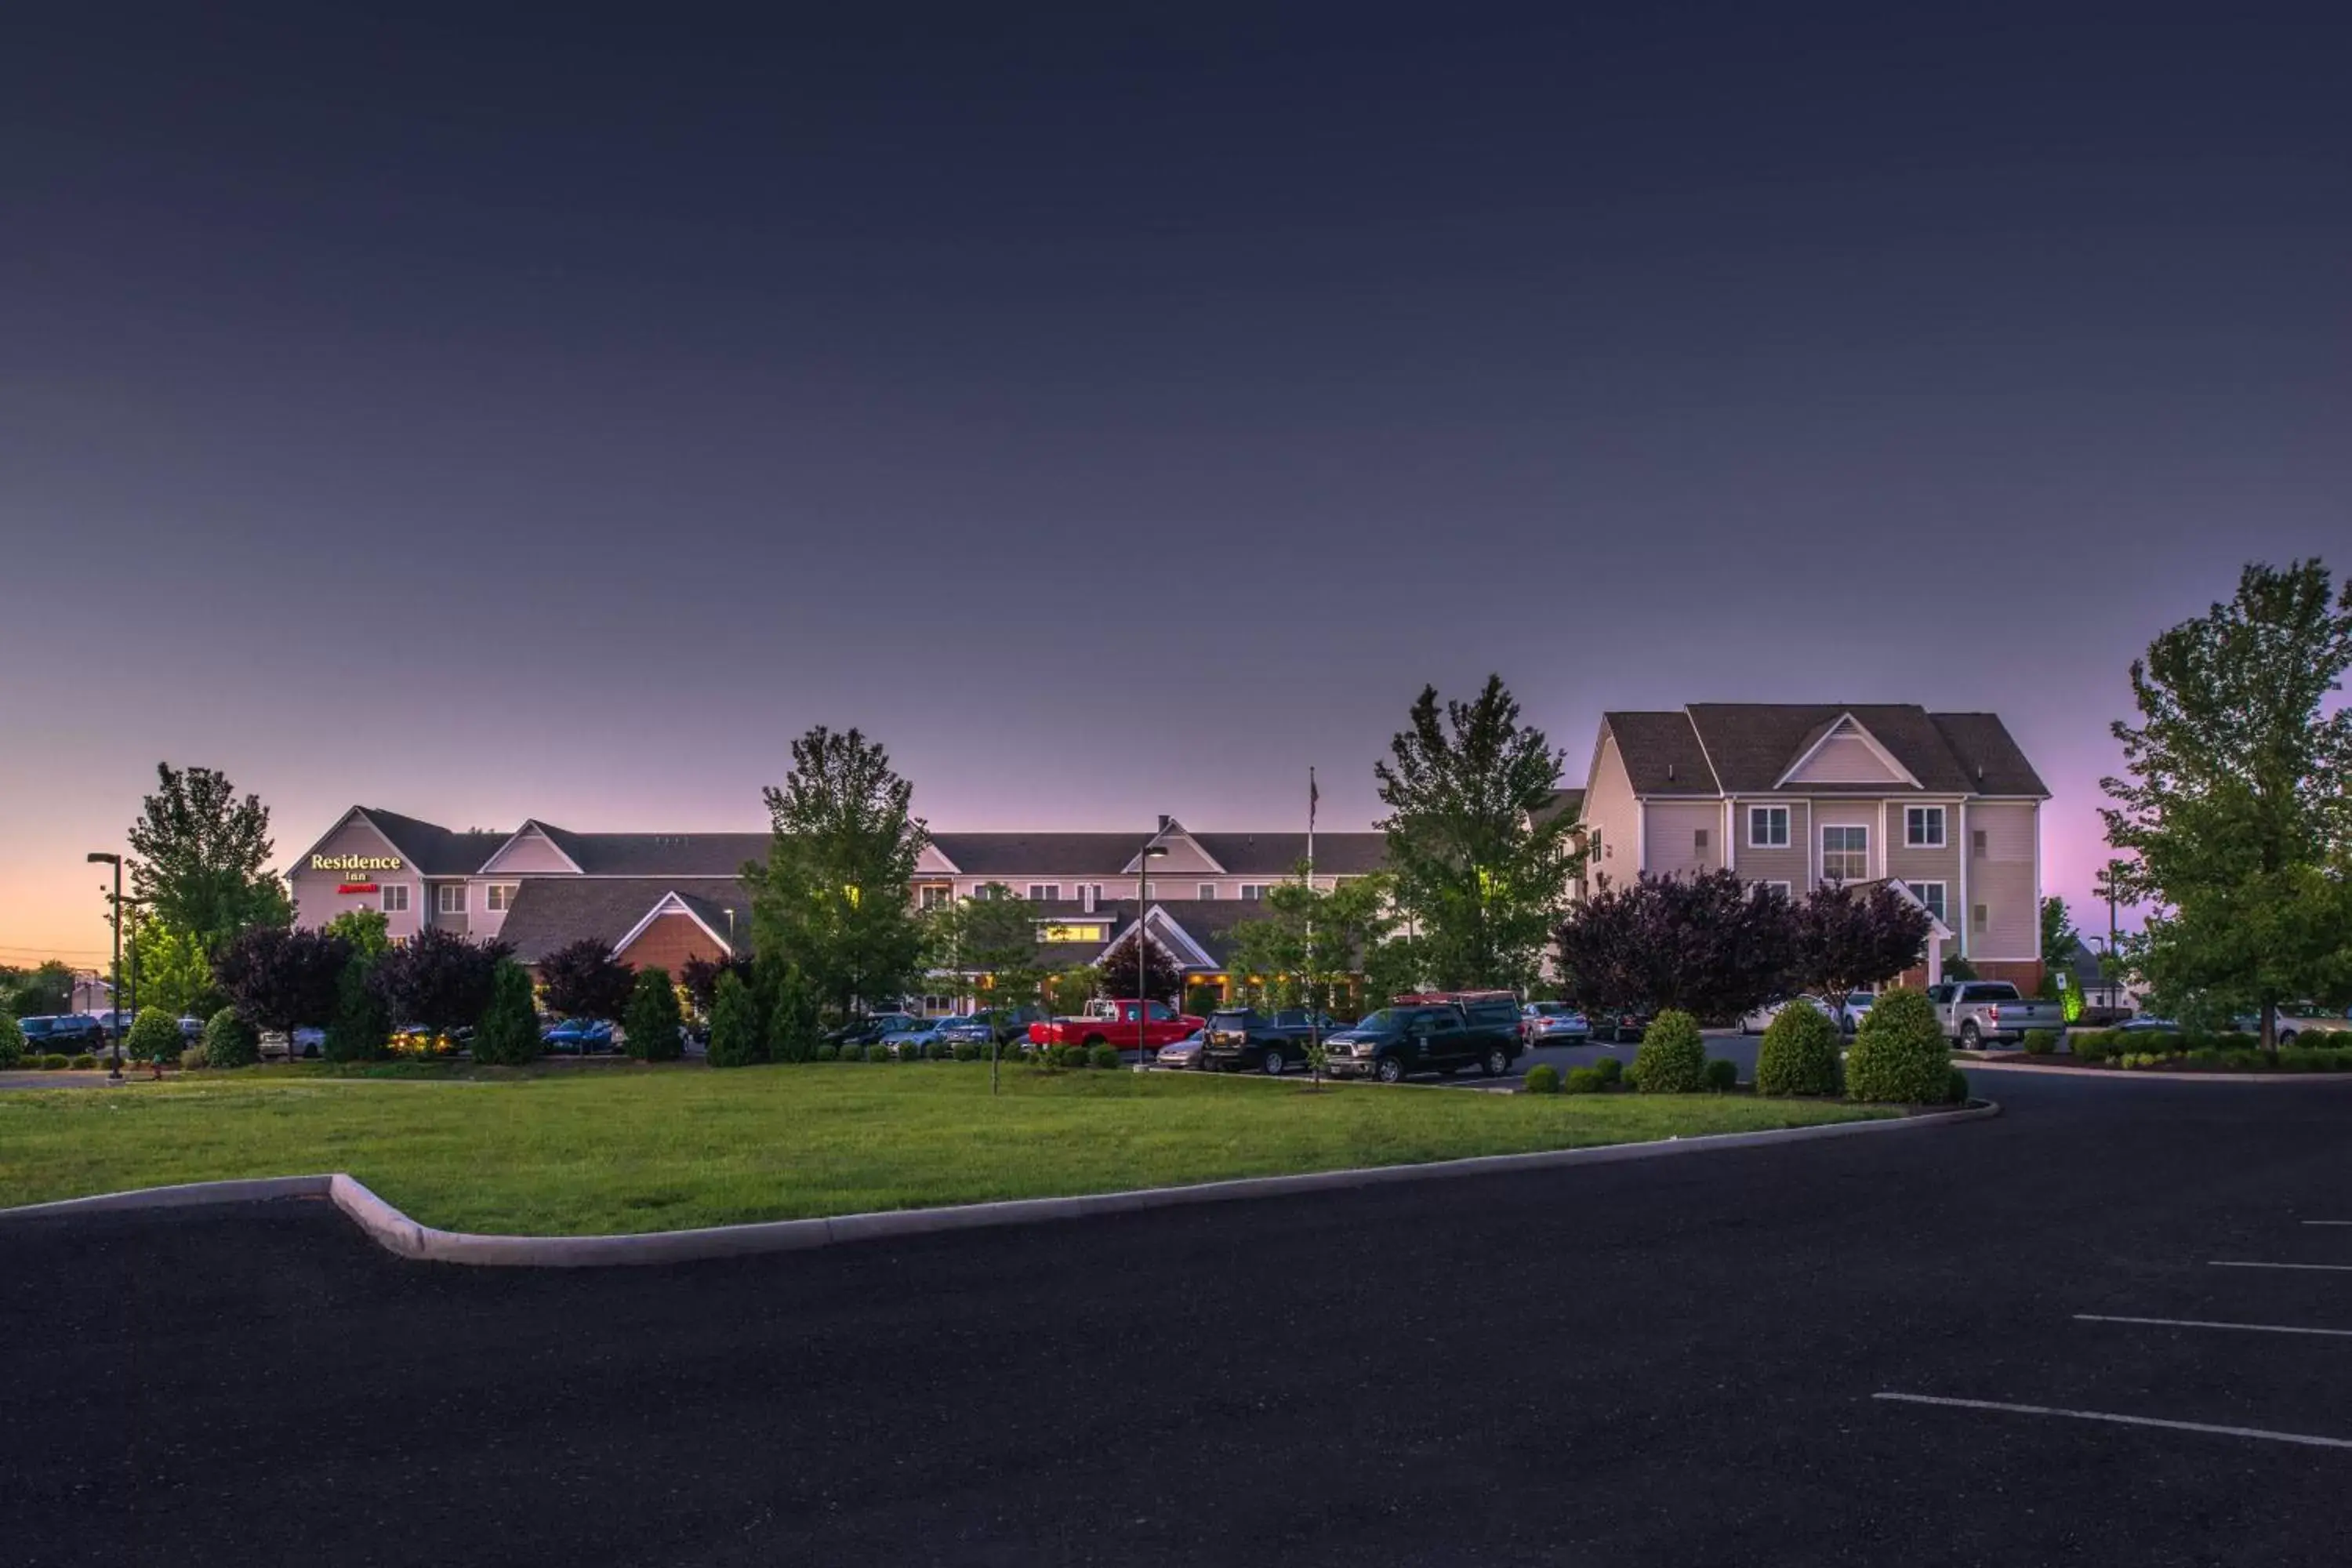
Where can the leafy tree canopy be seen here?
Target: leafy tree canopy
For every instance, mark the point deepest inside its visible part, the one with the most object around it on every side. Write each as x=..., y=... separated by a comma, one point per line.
x=1852, y=938
x=994, y=935
x=582, y=980
x=1708, y=945
x=1481, y=860
x=2236, y=806
x=283, y=979
x=201, y=856
x=439, y=980
x=172, y=971
x=1158, y=980
x=1305, y=942
x=368, y=931
x=832, y=897
x=38, y=992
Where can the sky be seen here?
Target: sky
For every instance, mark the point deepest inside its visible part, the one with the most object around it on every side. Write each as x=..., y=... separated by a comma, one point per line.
x=1119, y=409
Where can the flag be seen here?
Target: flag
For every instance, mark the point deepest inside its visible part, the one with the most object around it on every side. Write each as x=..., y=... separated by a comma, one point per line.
x=1314, y=796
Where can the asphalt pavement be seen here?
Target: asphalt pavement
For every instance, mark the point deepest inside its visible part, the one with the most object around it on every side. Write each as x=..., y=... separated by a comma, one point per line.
x=1677, y=1362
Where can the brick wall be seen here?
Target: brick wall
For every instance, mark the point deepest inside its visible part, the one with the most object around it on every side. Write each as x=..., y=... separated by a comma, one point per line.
x=668, y=943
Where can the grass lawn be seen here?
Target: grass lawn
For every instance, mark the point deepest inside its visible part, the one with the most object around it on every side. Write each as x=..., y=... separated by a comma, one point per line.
x=567, y=1151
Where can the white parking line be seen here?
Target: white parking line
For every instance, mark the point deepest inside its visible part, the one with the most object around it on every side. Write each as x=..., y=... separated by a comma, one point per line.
x=2200, y=1323
x=2302, y=1439
x=2310, y=1268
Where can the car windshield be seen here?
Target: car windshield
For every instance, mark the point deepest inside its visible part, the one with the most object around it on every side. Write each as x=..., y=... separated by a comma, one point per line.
x=1547, y=1009
x=1386, y=1018
x=1860, y=999
x=1230, y=1017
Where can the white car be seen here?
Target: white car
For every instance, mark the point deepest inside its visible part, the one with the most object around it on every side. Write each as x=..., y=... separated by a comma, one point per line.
x=1756, y=1022
x=2303, y=1017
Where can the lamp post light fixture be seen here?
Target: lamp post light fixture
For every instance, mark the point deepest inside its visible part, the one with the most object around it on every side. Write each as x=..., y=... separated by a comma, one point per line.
x=114, y=1069
x=1154, y=850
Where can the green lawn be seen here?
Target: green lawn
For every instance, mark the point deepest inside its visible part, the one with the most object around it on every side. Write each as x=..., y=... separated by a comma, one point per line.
x=628, y=1149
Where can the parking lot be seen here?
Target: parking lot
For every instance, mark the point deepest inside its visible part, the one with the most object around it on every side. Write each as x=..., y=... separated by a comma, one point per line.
x=1673, y=1361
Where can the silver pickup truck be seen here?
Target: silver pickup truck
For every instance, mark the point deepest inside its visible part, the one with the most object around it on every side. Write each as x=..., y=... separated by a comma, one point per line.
x=1976, y=1012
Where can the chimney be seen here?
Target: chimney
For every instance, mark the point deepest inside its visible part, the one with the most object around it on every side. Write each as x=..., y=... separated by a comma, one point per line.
x=1164, y=821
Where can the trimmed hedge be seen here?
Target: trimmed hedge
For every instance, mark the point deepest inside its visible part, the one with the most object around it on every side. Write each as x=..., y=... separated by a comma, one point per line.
x=828, y=1052
x=1543, y=1078
x=876, y=1052
x=155, y=1037
x=735, y=1023
x=1799, y=1053
x=507, y=1035
x=2040, y=1042
x=231, y=1040
x=82, y=1063
x=1672, y=1057
x=54, y=1063
x=1583, y=1080
x=1956, y=1088
x=1103, y=1057
x=1722, y=1074
x=1899, y=1055
x=651, y=1020
x=1609, y=1068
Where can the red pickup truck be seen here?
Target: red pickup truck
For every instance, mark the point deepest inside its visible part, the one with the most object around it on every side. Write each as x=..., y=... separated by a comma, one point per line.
x=1126, y=1025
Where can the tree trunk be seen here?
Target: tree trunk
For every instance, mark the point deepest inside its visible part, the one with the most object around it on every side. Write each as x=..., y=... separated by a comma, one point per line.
x=2270, y=1027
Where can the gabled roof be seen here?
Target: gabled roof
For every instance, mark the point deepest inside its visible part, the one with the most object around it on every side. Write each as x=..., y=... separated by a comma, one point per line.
x=1274, y=855
x=550, y=911
x=431, y=849
x=659, y=854
x=701, y=911
x=1748, y=748
x=1043, y=854
x=1568, y=803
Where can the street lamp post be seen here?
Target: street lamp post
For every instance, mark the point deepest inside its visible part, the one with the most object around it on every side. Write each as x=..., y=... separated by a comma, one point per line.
x=100, y=857
x=1154, y=850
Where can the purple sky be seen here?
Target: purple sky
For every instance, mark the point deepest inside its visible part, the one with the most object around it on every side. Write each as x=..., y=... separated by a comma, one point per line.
x=1119, y=409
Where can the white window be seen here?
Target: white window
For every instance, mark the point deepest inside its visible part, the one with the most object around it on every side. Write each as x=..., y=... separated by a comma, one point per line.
x=1253, y=891
x=1932, y=895
x=1845, y=854
x=1768, y=828
x=395, y=898
x=1208, y=890
x=1045, y=892
x=449, y=899
x=935, y=896
x=499, y=897
x=1977, y=837
x=1151, y=889
x=1923, y=826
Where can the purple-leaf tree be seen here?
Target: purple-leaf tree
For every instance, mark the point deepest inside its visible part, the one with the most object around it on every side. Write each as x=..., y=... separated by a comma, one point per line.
x=280, y=979
x=1156, y=982
x=1709, y=944
x=700, y=977
x=1851, y=938
x=583, y=980
x=439, y=980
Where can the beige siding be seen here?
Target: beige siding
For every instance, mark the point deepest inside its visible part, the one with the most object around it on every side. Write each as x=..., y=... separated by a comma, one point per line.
x=1844, y=759
x=485, y=922
x=316, y=901
x=1793, y=865
x=1863, y=813
x=1915, y=865
x=533, y=854
x=1670, y=836
x=461, y=923
x=1610, y=808
x=2002, y=880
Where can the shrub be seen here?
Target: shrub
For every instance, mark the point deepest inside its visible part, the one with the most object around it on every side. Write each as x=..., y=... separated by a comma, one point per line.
x=943, y=1050
x=735, y=1023
x=967, y=1051
x=1723, y=1075
x=12, y=1040
x=191, y=1059
x=1610, y=1069
x=877, y=1052
x=793, y=1024
x=1543, y=1078
x=231, y=1040
x=1956, y=1086
x=155, y=1037
x=651, y=1022
x=2299, y=1058
x=507, y=1035
x=2040, y=1042
x=82, y=1063
x=1899, y=1055
x=1582, y=1080
x=1103, y=1057
x=361, y=1030
x=1799, y=1053
x=53, y=1063
x=828, y=1052
x=1673, y=1059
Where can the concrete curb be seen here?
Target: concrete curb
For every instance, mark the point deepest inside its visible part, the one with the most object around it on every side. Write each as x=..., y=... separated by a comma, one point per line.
x=396, y=1233
x=2140, y=1075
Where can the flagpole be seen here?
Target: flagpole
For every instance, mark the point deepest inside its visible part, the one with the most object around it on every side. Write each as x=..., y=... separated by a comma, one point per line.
x=1314, y=1002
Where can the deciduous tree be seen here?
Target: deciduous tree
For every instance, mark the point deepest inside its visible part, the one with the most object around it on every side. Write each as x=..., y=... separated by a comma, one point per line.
x=2236, y=803
x=44, y=989
x=439, y=980
x=280, y=979
x=1481, y=860
x=1710, y=945
x=201, y=856
x=832, y=895
x=172, y=970
x=1156, y=981
x=508, y=1033
x=582, y=980
x=1851, y=938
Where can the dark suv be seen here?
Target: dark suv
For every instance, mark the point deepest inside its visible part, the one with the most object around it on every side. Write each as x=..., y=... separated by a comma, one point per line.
x=1271, y=1043
x=1437, y=1032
